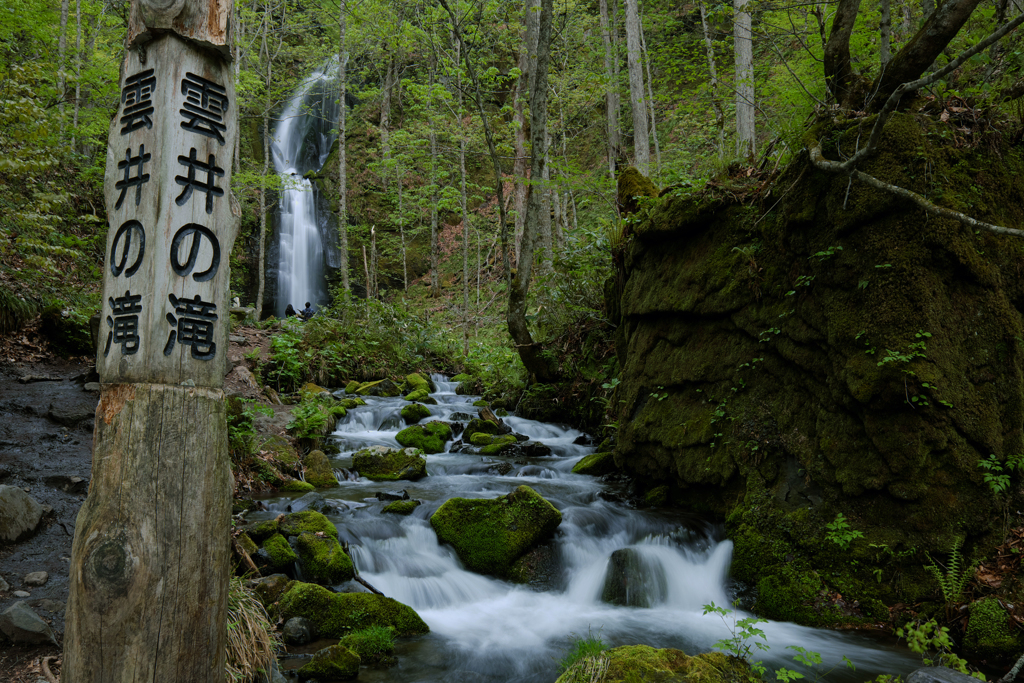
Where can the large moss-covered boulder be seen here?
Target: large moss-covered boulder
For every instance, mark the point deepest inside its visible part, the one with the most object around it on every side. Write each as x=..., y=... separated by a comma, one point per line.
x=490, y=535
x=352, y=386
x=319, y=472
x=333, y=663
x=335, y=615
x=632, y=187
x=417, y=395
x=382, y=387
x=401, y=507
x=296, y=486
x=479, y=426
x=990, y=633
x=631, y=663
x=280, y=448
x=429, y=438
x=414, y=412
x=307, y=521
x=276, y=555
x=595, y=464
x=416, y=382
x=386, y=464
x=261, y=531
x=351, y=402
x=498, y=445
x=323, y=560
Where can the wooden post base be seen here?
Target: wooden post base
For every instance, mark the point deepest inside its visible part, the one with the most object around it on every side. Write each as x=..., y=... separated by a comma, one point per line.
x=151, y=556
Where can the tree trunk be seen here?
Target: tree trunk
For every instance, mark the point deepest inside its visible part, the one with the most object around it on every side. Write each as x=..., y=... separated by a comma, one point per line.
x=524, y=86
x=385, y=120
x=435, y=278
x=78, y=69
x=537, y=364
x=744, y=47
x=342, y=144
x=611, y=95
x=262, y=268
x=709, y=48
x=650, y=98
x=544, y=227
x=885, y=35
x=920, y=51
x=641, y=138
x=372, y=285
x=401, y=229
x=838, y=70
x=62, y=53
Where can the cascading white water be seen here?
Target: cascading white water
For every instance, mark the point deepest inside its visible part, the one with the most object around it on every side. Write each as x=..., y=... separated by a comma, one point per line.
x=301, y=142
x=485, y=629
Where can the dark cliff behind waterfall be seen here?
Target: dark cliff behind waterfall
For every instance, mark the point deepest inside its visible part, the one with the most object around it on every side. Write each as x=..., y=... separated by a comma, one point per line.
x=825, y=348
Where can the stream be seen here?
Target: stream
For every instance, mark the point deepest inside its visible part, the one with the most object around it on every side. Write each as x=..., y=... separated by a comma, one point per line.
x=488, y=630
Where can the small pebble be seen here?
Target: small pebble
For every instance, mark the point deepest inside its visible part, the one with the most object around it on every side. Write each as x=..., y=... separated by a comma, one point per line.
x=22, y=594
x=36, y=578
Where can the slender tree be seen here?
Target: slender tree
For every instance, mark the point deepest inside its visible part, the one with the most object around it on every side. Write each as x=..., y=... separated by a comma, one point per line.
x=641, y=137
x=611, y=94
x=716, y=102
x=342, y=145
x=744, y=49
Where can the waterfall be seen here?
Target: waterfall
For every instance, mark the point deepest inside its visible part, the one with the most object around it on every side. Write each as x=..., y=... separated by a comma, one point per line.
x=300, y=143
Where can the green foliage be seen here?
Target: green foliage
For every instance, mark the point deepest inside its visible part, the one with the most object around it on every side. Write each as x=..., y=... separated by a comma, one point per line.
x=371, y=644
x=252, y=642
x=745, y=636
x=933, y=643
x=581, y=647
x=841, y=533
x=241, y=416
x=997, y=474
x=954, y=576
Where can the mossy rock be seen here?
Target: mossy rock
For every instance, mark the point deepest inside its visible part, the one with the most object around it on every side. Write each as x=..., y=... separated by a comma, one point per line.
x=657, y=497
x=416, y=381
x=482, y=403
x=319, y=472
x=990, y=634
x=382, y=387
x=307, y=521
x=490, y=535
x=351, y=387
x=478, y=426
x=311, y=388
x=350, y=403
x=401, y=507
x=417, y=395
x=337, y=411
x=790, y=594
x=323, y=561
x=595, y=464
x=386, y=464
x=373, y=645
x=429, y=438
x=281, y=449
x=335, y=615
x=414, y=412
x=332, y=663
x=246, y=543
x=631, y=185
x=298, y=486
x=270, y=588
x=261, y=531
x=463, y=377
x=631, y=663
x=276, y=554
x=498, y=444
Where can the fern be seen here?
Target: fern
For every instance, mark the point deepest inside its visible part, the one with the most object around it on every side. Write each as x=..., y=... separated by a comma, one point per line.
x=13, y=311
x=952, y=578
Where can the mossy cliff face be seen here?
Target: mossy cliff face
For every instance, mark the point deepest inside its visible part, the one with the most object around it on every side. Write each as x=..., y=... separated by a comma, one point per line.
x=825, y=348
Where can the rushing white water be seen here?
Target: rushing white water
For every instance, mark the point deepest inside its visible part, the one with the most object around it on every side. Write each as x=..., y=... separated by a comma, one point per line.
x=485, y=629
x=301, y=142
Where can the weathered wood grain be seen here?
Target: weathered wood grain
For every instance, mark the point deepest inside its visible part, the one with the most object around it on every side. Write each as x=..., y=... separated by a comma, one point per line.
x=207, y=22
x=161, y=208
x=151, y=556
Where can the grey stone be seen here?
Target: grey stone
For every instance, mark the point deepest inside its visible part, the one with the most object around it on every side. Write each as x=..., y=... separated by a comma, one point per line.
x=237, y=338
x=69, y=416
x=92, y=386
x=632, y=581
x=938, y=674
x=52, y=606
x=36, y=579
x=311, y=501
x=297, y=631
x=21, y=594
x=4, y=586
x=19, y=514
x=22, y=625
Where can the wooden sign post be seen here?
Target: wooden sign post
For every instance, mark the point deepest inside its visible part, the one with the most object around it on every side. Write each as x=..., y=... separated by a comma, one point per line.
x=150, y=561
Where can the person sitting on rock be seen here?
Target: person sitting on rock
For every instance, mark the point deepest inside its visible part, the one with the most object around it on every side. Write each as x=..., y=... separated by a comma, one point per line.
x=289, y=311
x=307, y=312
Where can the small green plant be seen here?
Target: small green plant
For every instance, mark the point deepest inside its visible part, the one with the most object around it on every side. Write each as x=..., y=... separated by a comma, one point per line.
x=914, y=350
x=811, y=659
x=580, y=648
x=827, y=254
x=997, y=474
x=929, y=637
x=841, y=533
x=953, y=577
x=743, y=638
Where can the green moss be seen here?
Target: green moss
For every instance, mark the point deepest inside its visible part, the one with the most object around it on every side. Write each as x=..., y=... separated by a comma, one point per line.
x=417, y=395
x=595, y=464
x=498, y=444
x=246, y=543
x=323, y=560
x=296, y=486
x=478, y=426
x=319, y=472
x=429, y=438
x=481, y=403
x=635, y=663
x=280, y=448
x=632, y=185
x=351, y=387
x=414, y=412
x=490, y=535
x=311, y=388
x=279, y=554
x=337, y=411
x=335, y=615
x=401, y=507
x=657, y=497
x=350, y=403
x=384, y=464
x=416, y=382
x=261, y=531
x=990, y=634
x=463, y=377
x=307, y=521
x=373, y=644
x=382, y=387
x=333, y=663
